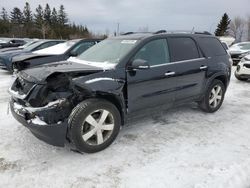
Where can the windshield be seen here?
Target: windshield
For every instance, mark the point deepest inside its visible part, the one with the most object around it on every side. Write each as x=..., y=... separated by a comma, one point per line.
x=33, y=46
x=28, y=44
x=242, y=46
x=57, y=49
x=108, y=51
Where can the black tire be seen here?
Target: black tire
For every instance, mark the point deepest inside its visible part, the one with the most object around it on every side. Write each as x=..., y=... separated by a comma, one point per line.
x=77, y=122
x=240, y=78
x=204, y=104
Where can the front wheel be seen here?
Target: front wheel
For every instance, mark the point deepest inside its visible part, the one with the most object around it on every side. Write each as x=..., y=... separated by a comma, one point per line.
x=94, y=125
x=214, y=97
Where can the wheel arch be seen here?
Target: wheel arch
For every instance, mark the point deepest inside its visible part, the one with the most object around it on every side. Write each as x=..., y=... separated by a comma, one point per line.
x=114, y=100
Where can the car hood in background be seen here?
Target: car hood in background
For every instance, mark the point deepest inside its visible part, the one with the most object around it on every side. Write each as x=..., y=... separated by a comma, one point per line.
x=27, y=56
x=237, y=50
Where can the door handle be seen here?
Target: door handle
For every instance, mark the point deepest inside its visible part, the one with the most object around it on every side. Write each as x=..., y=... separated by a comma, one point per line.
x=203, y=67
x=169, y=73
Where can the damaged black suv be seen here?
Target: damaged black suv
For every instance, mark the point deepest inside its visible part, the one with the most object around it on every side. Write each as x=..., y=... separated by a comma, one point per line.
x=86, y=99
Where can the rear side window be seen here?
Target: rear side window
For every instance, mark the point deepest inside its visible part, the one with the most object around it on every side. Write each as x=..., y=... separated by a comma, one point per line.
x=182, y=48
x=212, y=46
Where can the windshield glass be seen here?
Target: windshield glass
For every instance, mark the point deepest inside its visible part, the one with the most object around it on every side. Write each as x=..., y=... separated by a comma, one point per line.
x=108, y=51
x=242, y=46
x=32, y=46
x=28, y=44
x=57, y=49
x=245, y=46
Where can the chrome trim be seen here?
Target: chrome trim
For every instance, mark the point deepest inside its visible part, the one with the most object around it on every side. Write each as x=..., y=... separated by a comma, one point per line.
x=50, y=105
x=189, y=60
x=203, y=67
x=169, y=73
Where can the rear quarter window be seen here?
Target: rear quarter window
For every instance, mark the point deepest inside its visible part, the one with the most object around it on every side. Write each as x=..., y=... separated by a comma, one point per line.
x=212, y=46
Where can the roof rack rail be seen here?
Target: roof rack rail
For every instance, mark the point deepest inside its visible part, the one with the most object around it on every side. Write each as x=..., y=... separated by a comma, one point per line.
x=204, y=32
x=160, y=31
x=128, y=33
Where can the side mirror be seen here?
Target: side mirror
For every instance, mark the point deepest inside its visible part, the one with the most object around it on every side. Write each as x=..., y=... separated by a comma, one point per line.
x=73, y=54
x=139, y=64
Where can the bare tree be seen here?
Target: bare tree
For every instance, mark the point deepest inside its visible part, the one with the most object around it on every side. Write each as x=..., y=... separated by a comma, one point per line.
x=248, y=28
x=237, y=26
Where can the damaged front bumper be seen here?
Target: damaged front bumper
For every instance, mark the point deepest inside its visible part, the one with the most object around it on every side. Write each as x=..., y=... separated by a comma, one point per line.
x=54, y=134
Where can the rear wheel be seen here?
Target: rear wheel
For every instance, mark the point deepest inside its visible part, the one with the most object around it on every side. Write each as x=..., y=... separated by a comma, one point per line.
x=94, y=125
x=214, y=97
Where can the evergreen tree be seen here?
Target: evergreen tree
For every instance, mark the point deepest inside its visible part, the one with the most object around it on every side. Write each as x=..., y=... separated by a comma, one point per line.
x=16, y=16
x=44, y=23
x=39, y=21
x=62, y=16
x=47, y=14
x=4, y=22
x=223, y=26
x=4, y=15
x=27, y=14
x=62, y=20
x=28, y=20
x=54, y=17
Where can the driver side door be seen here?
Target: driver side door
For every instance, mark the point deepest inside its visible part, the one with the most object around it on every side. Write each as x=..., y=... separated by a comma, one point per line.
x=154, y=86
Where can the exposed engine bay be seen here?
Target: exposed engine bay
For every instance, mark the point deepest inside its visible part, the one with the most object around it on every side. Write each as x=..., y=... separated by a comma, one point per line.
x=49, y=102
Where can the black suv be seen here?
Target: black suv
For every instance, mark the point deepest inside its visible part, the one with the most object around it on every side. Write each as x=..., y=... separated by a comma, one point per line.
x=86, y=99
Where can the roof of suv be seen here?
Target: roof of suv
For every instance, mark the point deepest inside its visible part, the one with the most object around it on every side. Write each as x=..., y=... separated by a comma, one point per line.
x=139, y=36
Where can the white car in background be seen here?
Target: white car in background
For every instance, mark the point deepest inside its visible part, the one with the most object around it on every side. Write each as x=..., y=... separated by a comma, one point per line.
x=243, y=69
x=238, y=51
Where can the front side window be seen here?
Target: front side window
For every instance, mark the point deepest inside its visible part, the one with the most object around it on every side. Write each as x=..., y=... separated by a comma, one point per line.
x=182, y=48
x=154, y=52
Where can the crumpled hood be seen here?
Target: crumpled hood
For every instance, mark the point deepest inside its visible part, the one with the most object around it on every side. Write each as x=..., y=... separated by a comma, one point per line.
x=40, y=73
x=27, y=56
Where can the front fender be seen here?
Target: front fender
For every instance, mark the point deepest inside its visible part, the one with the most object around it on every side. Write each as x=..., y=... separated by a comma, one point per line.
x=103, y=85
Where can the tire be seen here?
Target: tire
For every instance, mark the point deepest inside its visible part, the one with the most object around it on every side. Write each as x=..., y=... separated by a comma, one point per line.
x=211, y=102
x=84, y=121
x=240, y=78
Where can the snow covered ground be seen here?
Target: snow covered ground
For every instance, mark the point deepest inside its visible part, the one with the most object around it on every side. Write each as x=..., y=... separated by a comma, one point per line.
x=183, y=147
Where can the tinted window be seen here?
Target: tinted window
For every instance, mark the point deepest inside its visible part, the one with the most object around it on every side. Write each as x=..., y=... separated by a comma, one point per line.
x=212, y=46
x=46, y=45
x=154, y=52
x=80, y=48
x=182, y=49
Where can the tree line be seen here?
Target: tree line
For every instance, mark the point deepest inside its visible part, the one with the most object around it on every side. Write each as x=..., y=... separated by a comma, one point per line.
x=237, y=27
x=43, y=23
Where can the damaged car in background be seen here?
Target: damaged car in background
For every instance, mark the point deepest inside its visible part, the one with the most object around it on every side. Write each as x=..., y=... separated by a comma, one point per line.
x=86, y=99
x=7, y=56
x=55, y=53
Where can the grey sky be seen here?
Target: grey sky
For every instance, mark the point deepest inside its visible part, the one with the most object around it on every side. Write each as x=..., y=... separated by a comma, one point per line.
x=102, y=15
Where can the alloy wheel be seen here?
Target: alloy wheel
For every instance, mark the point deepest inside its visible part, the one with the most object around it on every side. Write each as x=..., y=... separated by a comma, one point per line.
x=215, y=96
x=97, y=127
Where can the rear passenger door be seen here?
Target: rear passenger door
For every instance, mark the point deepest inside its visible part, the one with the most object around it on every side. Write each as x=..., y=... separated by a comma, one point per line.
x=189, y=66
